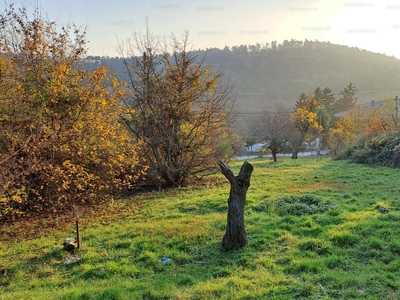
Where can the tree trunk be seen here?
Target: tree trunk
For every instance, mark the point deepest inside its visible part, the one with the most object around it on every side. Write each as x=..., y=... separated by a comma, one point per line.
x=294, y=155
x=235, y=236
x=274, y=156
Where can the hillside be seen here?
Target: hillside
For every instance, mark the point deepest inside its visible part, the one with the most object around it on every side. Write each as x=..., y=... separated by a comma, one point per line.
x=280, y=72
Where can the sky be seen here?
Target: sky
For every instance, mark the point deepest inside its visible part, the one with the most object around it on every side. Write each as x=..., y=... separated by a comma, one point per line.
x=373, y=25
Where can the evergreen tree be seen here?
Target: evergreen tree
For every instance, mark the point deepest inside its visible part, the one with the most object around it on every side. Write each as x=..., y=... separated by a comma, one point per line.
x=327, y=99
x=318, y=94
x=347, y=100
x=300, y=100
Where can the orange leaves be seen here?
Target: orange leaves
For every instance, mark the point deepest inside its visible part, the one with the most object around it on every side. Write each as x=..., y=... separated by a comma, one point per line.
x=357, y=122
x=378, y=126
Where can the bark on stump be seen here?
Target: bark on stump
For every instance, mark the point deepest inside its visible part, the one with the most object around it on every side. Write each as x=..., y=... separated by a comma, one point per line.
x=235, y=236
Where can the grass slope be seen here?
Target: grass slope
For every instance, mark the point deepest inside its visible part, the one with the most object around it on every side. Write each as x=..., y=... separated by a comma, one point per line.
x=313, y=227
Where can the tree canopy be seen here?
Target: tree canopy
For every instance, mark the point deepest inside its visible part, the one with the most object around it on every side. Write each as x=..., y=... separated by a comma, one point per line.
x=347, y=98
x=305, y=119
x=273, y=127
x=61, y=139
x=181, y=109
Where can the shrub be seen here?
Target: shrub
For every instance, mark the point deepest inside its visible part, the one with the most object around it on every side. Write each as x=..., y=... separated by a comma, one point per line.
x=378, y=150
x=301, y=205
x=61, y=140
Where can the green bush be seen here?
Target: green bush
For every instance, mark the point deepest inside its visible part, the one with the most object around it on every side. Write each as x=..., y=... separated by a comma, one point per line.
x=382, y=149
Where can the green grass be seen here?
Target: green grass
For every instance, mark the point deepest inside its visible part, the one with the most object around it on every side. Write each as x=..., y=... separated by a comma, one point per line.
x=313, y=228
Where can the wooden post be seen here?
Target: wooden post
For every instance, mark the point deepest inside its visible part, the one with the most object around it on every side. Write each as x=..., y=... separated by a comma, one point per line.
x=76, y=213
x=78, y=243
x=235, y=236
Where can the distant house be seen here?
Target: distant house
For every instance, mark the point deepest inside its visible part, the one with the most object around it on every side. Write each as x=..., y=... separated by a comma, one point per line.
x=368, y=107
x=257, y=147
x=254, y=148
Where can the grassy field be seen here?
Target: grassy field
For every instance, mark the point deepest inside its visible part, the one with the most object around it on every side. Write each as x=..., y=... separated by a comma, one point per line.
x=313, y=228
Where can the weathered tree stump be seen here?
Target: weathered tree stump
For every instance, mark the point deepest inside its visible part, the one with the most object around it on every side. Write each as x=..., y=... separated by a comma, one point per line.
x=235, y=236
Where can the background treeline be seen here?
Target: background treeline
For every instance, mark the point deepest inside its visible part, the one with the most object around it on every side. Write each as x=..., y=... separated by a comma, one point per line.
x=79, y=129
x=274, y=71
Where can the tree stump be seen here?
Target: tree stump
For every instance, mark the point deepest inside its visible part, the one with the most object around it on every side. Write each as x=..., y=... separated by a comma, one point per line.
x=235, y=236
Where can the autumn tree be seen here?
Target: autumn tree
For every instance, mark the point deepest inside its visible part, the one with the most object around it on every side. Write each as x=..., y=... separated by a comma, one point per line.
x=273, y=127
x=388, y=113
x=61, y=139
x=181, y=108
x=303, y=119
x=354, y=124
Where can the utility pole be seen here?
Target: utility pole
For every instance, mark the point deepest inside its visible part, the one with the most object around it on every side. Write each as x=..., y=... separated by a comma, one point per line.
x=397, y=110
x=320, y=135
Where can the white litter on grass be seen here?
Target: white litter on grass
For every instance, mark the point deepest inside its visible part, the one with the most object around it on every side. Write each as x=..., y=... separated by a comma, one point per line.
x=165, y=260
x=71, y=260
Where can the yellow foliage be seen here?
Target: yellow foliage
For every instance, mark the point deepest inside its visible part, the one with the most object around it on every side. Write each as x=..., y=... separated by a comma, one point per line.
x=62, y=141
x=353, y=125
x=305, y=117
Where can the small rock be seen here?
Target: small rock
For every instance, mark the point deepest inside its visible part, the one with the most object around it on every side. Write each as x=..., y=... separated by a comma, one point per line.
x=69, y=244
x=71, y=260
x=383, y=210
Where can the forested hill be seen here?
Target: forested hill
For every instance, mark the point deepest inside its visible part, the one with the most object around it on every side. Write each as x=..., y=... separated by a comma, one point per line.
x=281, y=72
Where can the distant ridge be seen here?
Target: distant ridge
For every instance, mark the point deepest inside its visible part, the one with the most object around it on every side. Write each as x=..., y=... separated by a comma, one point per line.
x=280, y=72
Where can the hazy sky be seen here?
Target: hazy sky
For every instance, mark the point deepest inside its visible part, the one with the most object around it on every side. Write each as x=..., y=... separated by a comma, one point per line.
x=372, y=25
